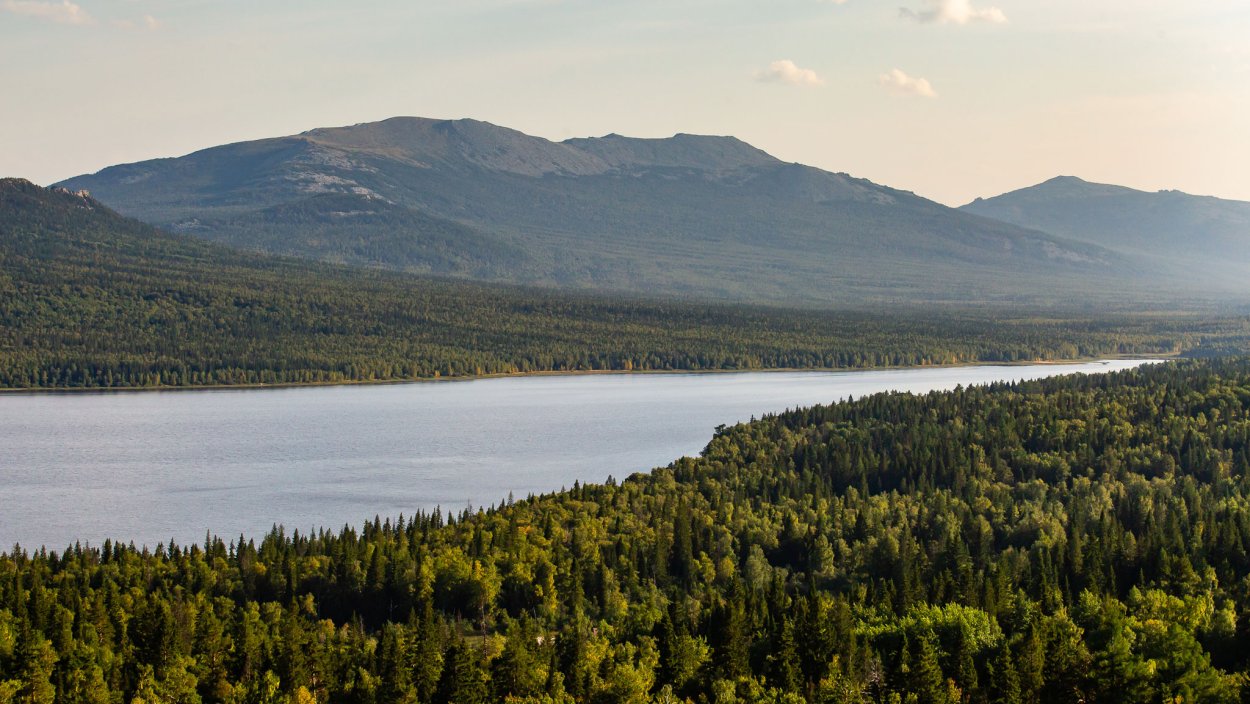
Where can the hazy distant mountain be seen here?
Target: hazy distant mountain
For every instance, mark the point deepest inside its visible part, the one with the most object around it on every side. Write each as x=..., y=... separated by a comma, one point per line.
x=1207, y=233
x=708, y=216
x=91, y=298
x=366, y=230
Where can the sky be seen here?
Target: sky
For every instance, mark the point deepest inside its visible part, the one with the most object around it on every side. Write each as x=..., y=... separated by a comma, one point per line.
x=952, y=99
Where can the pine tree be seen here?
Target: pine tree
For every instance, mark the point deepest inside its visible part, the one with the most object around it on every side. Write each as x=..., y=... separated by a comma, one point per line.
x=1004, y=682
x=731, y=641
x=392, y=666
x=683, y=550
x=925, y=680
x=518, y=671
x=784, y=670
x=817, y=635
x=36, y=658
x=681, y=655
x=1030, y=665
x=426, y=653
x=463, y=680
x=965, y=662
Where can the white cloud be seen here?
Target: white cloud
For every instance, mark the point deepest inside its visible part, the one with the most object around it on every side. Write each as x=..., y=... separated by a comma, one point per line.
x=903, y=84
x=786, y=71
x=953, y=12
x=147, y=22
x=64, y=12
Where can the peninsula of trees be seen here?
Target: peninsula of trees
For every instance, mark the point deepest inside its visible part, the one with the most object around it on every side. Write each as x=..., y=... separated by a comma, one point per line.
x=1076, y=539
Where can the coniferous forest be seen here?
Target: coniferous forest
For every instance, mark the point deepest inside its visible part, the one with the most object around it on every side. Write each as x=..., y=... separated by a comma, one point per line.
x=89, y=299
x=1078, y=539
x=729, y=208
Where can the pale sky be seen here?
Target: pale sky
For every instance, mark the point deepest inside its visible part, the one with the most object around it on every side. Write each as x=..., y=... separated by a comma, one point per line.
x=952, y=99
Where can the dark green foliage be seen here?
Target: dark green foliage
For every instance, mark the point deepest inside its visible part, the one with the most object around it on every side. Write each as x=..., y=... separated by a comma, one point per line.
x=463, y=681
x=730, y=638
x=519, y=671
x=1075, y=539
x=923, y=678
x=91, y=300
x=1004, y=679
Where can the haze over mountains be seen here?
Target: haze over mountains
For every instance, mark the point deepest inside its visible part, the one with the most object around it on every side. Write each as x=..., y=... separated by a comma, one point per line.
x=1209, y=235
x=694, y=215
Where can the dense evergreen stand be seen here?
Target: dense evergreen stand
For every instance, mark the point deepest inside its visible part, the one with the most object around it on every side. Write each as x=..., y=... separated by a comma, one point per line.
x=1075, y=539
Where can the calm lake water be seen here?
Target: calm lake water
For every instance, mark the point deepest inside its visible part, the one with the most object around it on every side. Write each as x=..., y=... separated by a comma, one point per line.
x=148, y=467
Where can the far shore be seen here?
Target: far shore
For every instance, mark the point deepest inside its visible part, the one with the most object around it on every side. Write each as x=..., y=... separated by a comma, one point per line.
x=574, y=373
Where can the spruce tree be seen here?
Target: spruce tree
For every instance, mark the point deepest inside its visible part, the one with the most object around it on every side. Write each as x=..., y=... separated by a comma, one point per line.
x=463, y=680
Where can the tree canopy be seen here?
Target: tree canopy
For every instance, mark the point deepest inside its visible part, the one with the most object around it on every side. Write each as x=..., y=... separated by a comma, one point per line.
x=1081, y=538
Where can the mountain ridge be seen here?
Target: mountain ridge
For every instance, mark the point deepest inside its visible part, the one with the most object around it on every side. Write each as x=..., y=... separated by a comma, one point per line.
x=1209, y=236
x=689, y=215
x=92, y=298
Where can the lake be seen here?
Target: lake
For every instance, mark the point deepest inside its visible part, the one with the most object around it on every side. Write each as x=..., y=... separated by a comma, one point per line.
x=151, y=466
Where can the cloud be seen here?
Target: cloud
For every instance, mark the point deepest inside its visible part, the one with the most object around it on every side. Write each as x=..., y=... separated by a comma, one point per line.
x=147, y=22
x=899, y=82
x=953, y=12
x=64, y=12
x=786, y=71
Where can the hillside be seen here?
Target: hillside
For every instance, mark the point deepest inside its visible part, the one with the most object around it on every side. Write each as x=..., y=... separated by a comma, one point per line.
x=1075, y=539
x=89, y=298
x=690, y=215
x=1209, y=236
x=381, y=235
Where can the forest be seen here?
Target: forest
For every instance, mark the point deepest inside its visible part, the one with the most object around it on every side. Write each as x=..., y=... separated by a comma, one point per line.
x=1076, y=539
x=89, y=299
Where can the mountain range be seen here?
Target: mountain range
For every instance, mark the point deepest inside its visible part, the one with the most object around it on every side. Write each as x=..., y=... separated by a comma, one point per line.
x=89, y=298
x=709, y=217
x=1209, y=237
x=700, y=216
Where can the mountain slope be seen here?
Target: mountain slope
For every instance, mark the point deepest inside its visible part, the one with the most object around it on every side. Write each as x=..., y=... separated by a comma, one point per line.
x=706, y=216
x=89, y=298
x=1209, y=234
x=382, y=234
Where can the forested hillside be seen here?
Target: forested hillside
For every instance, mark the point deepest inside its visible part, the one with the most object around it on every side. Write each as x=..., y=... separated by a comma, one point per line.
x=697, y=215
x=1074, y=539
x=89, y=299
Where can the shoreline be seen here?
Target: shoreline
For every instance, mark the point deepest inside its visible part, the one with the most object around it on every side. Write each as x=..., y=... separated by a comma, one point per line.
x=569, y=373
x=1054, y=366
